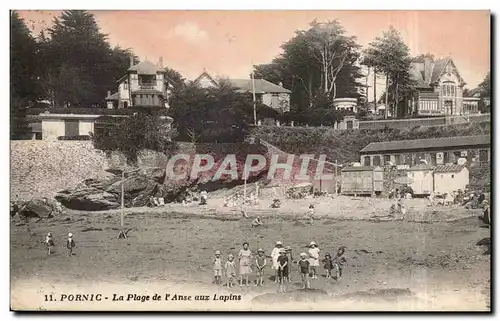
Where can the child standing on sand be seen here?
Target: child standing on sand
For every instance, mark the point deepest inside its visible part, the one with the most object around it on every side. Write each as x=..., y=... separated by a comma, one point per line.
x=274, y=256
x=217, y=268
x=244, y=256
x=339, y=261
x=260, y=263
x=328, y=265
x=289, y=255
x=282, y=270
x=49, y=243
x=230, y=267
x=310, y=213
x=314, y=259
x=70, y=244
x=303, y=264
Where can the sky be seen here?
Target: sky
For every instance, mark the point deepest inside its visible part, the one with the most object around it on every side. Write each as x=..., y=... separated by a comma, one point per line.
x=227, y=43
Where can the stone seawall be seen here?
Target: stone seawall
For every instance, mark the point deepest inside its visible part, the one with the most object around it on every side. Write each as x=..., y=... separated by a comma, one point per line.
x=41, y=168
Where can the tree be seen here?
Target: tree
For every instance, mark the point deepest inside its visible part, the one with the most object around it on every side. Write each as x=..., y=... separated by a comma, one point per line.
x=211, y=115
x=317, y=65
x=24, y=84
x=422, y=57
x=390, y=55
x=485, y=87
x=76, y=51
x=142, y=130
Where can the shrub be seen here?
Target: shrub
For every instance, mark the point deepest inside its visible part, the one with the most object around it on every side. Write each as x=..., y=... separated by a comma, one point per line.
x=129, y=135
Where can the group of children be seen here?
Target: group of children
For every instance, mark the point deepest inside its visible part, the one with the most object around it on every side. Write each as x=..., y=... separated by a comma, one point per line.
x=49, y=244
x=281, y=258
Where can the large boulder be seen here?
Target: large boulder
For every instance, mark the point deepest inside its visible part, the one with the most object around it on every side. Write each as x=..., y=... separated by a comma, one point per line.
x=155, y=173
x=299, y=191
x=95, y=195
x=35, y=208
x=88, y=199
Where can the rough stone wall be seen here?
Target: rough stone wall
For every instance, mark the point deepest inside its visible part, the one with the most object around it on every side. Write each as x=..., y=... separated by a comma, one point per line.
x=41, y=168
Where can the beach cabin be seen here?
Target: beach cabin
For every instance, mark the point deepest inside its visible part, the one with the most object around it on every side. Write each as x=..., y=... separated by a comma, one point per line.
x=449, y=178
x=362, y=180
x=421, y=179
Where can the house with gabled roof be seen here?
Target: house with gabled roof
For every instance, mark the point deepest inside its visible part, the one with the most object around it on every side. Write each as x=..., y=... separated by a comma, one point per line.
x=145, y=84
x=267, y=93
x=440, y=88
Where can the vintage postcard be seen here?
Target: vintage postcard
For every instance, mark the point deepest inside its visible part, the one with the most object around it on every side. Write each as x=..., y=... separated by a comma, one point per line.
x=250, y=160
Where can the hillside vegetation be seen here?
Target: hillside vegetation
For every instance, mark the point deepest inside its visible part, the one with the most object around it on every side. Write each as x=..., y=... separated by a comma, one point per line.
x=344, y=146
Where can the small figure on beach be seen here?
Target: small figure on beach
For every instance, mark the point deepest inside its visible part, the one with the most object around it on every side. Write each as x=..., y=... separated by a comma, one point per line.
x=288, y=252
x=217, y=267
x=49, y=243
x=310, y=214
x=314, y=259
x=230, y=267
x=282, y=271
x=260, y=263
x=203, y=197
x=70, y=244
x=339, y=261
x=244, y=257
x=276, y=203
x=257, y=222
x=303, y=264
x=328, y=265
x=274, y=256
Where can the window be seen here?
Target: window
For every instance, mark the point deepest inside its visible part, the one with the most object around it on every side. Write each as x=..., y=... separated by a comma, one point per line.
x=448, y=89
x=452, y=176
x=125, y=85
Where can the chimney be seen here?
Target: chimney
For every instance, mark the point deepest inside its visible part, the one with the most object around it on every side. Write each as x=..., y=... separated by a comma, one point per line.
x=131, y=61
x=427, y=70
x=160, y=62
x=109, y=93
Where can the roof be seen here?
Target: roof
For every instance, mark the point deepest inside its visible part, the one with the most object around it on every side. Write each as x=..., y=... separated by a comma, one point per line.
x=261, y=86
x=146, y=68
x=422, y=167
x=438, y=68
x=205, y=74
x=113, y=96
x=417, y=71
x=449, y=168
x=358, y=169
x=427, y=143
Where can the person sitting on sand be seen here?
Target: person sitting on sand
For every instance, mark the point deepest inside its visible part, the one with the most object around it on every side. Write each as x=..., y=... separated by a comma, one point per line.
x=70, y=244
x=314, y=259
x=260, y=263
x=217, y=267
x=257, y=222
x=276, y=203
x=274, y=256
x=203, y=197
x=230, y=267
x=49, y=243
x=303, y=264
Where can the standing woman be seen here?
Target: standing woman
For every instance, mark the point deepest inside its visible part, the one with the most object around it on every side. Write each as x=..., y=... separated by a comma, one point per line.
x=314, y=259
x=245, y=256
x=274, y=256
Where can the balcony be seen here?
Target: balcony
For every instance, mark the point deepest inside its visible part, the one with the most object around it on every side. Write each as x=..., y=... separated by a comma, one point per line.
x=147, y=85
